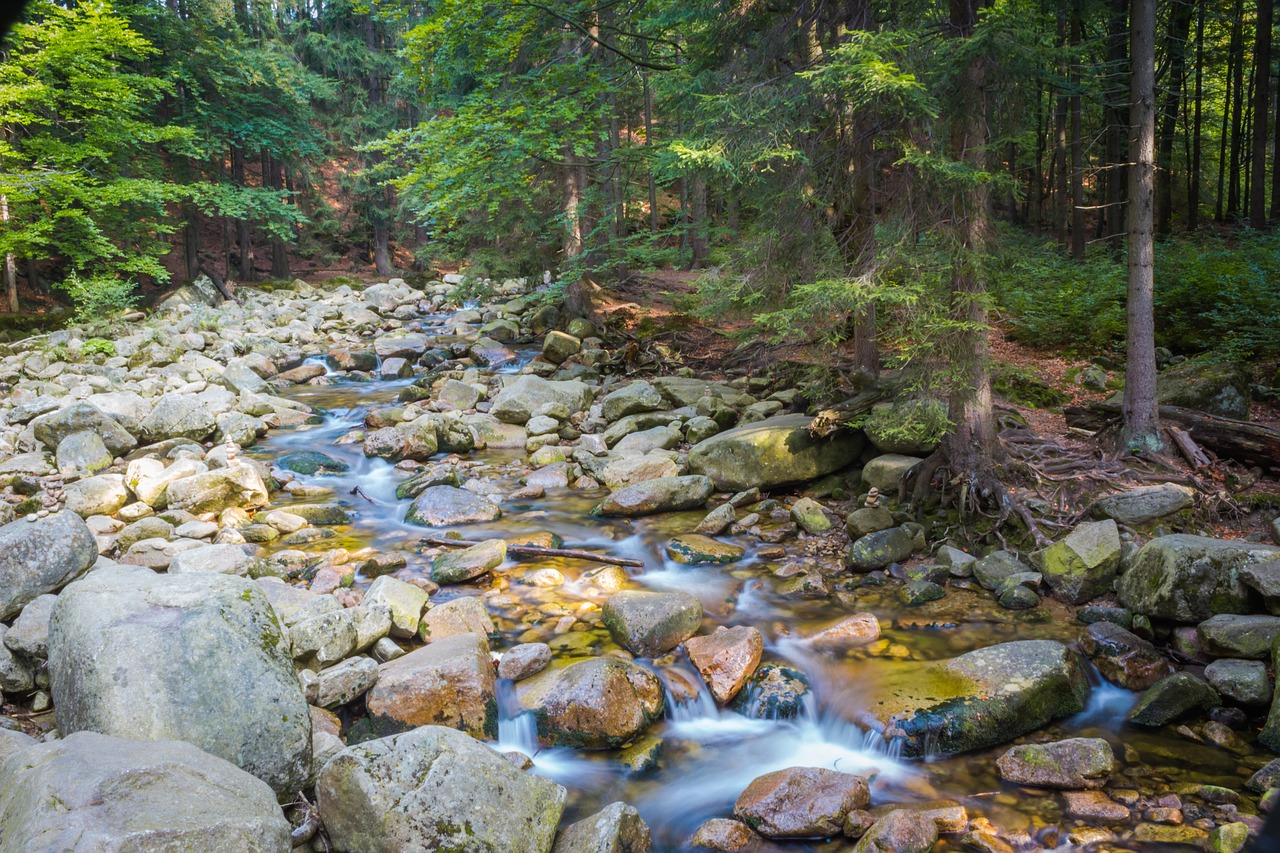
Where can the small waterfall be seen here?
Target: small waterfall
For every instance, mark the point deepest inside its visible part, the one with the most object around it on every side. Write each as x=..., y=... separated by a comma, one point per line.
x=324, y=361
x=517, y=728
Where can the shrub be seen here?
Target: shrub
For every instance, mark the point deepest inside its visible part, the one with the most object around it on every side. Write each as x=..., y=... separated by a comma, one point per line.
x=99, y=298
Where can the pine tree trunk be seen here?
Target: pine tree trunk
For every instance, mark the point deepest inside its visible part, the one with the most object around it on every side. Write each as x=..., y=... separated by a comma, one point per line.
x=1077, y=141
x=572, y=206
x=244, y=239
x=1141, y=428
x=10, y=265
x=271, y=176
x=1236, y=49
x=1193, y=185
x=699, y=246
x=191, y=241
x=1117, y=121
x=1261, y=115
x=1176, y=51
x=971, y=447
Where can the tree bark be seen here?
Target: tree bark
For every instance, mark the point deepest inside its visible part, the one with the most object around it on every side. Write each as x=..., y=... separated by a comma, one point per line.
x=244, y=239
x=1176, y=50
x=1117, y=110
x=1141, y=428
x=1261, y=115
x=271, y=176
x=10, y=265
x=1077, y=140
x=1193, y=187
x=1236, y=49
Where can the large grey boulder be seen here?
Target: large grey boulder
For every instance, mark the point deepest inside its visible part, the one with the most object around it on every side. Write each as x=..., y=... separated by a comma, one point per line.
x=1145, y=503
x=198, y=657
x=443, y=506
x=981, y=698
x=516, y=403
x=435, y=789
x=40, y=557
x=213, y=491
x=630, y=400
x=597, y=703
x=52, y=428
x=178, y=416
x=664, y=494
x=91, y=792
x=1190, y=578
x=772, y=452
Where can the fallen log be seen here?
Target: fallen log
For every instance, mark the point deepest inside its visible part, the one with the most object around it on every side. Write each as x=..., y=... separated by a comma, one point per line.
x=1246, y=442
x=533, y=551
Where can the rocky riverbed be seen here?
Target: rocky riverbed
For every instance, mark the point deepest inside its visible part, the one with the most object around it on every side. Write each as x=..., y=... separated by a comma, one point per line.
x=220, y=627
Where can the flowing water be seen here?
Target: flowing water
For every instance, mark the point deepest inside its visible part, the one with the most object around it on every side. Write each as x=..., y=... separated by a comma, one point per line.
x=709, y=754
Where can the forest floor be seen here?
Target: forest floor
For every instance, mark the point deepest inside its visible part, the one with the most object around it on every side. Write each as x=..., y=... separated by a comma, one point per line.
x=651, y=308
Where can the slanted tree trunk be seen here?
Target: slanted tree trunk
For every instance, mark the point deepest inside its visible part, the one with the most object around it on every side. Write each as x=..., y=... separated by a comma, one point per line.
x=1261, y=115
x=1141, y=429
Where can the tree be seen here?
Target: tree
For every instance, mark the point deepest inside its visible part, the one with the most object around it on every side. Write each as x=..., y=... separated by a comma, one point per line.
x=1141, y=429
x=1261, y=115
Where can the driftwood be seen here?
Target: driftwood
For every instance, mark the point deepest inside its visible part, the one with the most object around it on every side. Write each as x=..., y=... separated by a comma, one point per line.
x=221, y=285
x=1249, y=443
x=829, y=420
x=532, y=551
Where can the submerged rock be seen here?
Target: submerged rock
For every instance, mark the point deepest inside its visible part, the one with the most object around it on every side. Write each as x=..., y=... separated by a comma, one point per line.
x=775, y=692
x=160, y=657
x=650, y=623
x=981, y=698
x=597, y=703
x=1190, y=578
x=1070, y=764
x=434, y=788
x=772, y=452
x=94, y=792
x=445, y=506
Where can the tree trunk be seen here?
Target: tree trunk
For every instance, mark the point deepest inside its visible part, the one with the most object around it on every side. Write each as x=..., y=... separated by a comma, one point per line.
x=971, y=447
x=1236, y=49
x=1261, y=115
x=1193, y=187
x=699, y=245
x=244, y=239
x=648, y=144
x=1077, y=140
x=10, y=265
x=1176, y=50
x=1141, y=428
x=271, y=176
x=191, y=241
x=572, y=206
x=1117, y=120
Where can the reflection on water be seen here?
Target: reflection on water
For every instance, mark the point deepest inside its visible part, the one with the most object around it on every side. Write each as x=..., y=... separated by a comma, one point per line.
x=708, y=753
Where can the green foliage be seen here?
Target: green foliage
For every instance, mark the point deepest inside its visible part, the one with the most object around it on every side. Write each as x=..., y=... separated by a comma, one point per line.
x=98, y=346
x=99, y=298
x=912, y=420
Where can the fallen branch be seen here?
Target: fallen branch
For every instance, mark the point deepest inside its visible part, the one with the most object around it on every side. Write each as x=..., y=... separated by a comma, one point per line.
x=532, y=551
x=1243, y=441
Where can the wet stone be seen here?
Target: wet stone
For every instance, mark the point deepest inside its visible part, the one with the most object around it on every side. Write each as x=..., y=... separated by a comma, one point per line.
x=801, y=802
x=1070, y=764
x=726, y=658
x=696, y=549
x=1124, y=658
x=650, y=623
x=524, y=660
x=1243, y=681
x=1094, y=805
x=1174, y=698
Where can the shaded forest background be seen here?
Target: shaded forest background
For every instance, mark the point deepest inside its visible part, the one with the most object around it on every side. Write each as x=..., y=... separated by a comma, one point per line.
x=839, y=168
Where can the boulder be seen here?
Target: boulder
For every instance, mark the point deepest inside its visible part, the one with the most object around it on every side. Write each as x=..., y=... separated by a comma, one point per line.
x=1243, y=681
x=346, y=681
x=1190, y=578
x=435, y=789
x=224, y=559
x=1068, y=764
x=40, y=557
x=809, y=516
x=886, y=472
x=468, y=563
x=449, y=682
x=1218, y=387
x=83, y=453
x=979, y=699
x=772, y=452
x=1264, y=579
x=877, y=550
x=1173, y=698
x=597, y=703
x=867, y=519
x=199, y=657
x=178, y=416
x=1145, y=503
x=617, y=828
x=726, y=658
x=1231, y=636
x=29, y=635
x=995, y=568
x=50, y=429
x=516, y=403
x=697, y=549
x=665, y=494
x=1270, y=736
x=465, y=615
x=238, y=486
x=849, y=632
x=405, y=601
x=104, y=494
x=900, y=831
x=1083, y=565
x=445, y=506
x=801, y=802
x=651, y=623
x=559, y=347
x=524, y=660
x=1123, y=657
x=95, y=792
x=775, y=692
x=724, y=836
x=630, y=470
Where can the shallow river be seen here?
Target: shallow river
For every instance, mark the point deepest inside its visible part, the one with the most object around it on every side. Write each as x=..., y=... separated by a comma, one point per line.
x=709, y=755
